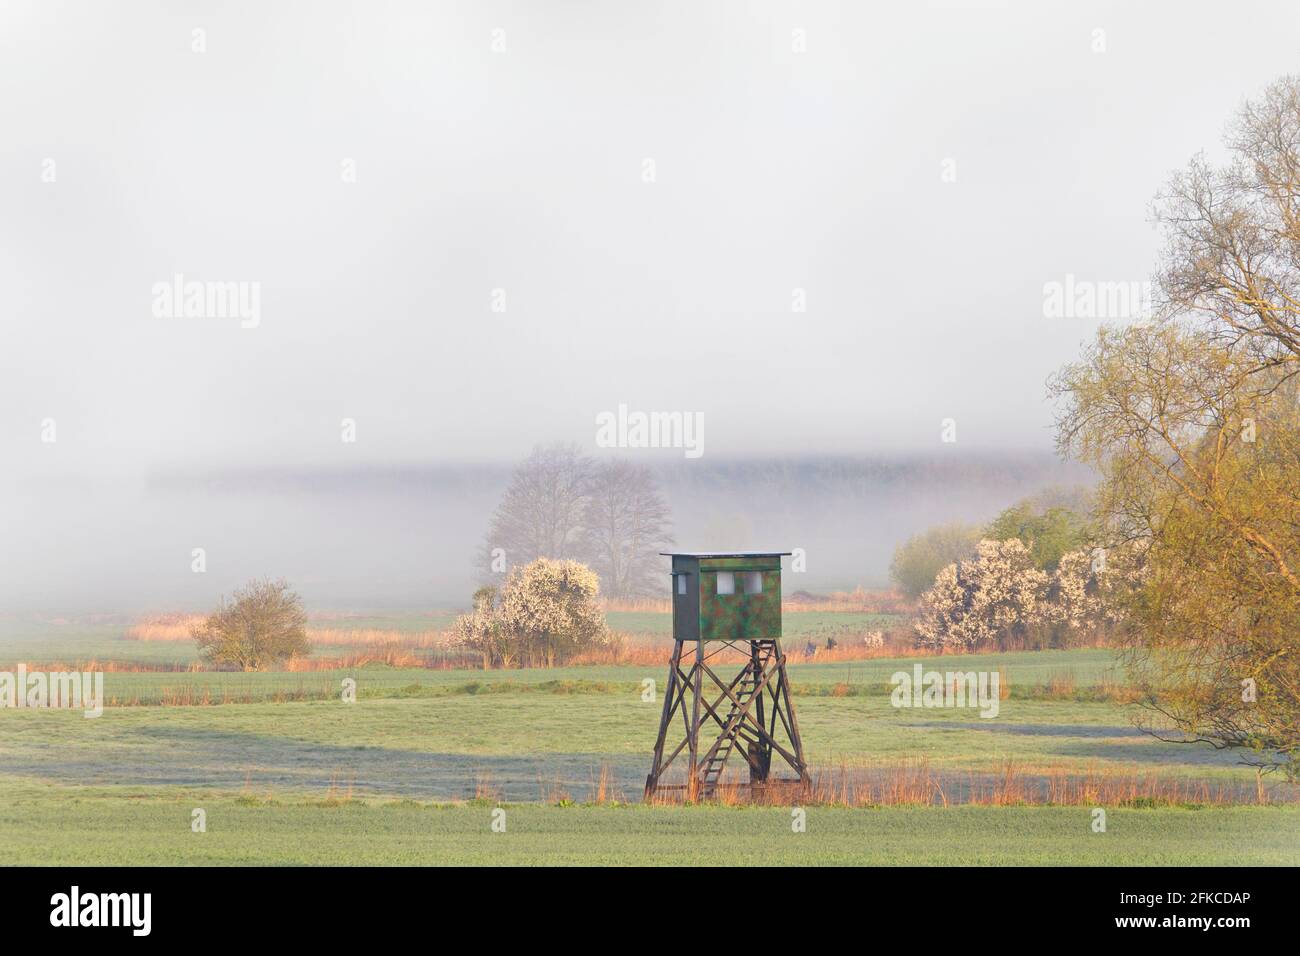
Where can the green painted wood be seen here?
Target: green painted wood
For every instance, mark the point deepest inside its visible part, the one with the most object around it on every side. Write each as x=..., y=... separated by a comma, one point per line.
x=701, y=613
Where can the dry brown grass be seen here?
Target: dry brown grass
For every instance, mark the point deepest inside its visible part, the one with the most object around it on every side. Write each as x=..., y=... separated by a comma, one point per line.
x=164, y=627
x=1061, y=684
x=553, y=791
x=637, y=605
x=434, y=650
x=646, y=650
x=858, y=601
x=915, y=783
x=416, y=640
x=1117, y=690
x=391, y=655
x=603, y=788
x=485, y=788
x=849, y=648
x=425, y=649
x=337, y=794
x=628, y=649
x=178, y=627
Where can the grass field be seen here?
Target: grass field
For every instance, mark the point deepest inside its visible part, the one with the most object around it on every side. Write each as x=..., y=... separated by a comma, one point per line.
x=106, y=827
x=1023, y=670
x=288, y=772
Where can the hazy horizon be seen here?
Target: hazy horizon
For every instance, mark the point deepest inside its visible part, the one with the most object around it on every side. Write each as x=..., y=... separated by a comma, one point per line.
x=817, y=229
x=375, y=537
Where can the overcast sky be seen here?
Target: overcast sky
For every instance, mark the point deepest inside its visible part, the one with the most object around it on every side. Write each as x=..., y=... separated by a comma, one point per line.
x=504, y=146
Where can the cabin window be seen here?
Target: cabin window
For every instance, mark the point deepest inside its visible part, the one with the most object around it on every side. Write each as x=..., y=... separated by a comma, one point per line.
x=753, y=582
x=726, y=582
x=681, y=584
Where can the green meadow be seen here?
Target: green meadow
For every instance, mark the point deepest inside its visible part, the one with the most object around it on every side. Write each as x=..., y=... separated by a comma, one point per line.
x=96, y=826
x=288, y=771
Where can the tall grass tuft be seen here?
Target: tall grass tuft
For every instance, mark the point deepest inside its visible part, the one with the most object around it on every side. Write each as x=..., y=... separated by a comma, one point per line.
x=916, y=783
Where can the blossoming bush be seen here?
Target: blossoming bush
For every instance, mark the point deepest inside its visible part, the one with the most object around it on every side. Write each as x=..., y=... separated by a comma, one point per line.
x=998, y=592
x=545, y=613
x=1001, y=598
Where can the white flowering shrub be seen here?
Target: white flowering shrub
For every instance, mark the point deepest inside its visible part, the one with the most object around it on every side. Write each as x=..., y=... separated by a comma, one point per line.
x=999, y=592
x=1076, y=602
x=1002, y=598
x=545, y=613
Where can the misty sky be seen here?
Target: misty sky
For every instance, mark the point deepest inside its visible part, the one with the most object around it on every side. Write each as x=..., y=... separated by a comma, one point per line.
x=523, y=170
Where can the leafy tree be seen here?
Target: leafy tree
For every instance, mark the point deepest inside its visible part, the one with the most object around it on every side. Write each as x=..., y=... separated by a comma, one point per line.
x=1048, y=532
x=1192, y=420
x=921, y=557
x=264, y=625
x=485, y=598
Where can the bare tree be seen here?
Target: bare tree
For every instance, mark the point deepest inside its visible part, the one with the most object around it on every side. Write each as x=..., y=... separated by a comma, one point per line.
x=627, y=523
x=542, y=512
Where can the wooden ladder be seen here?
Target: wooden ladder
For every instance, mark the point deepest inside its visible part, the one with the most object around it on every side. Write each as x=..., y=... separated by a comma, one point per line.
x=711, y=770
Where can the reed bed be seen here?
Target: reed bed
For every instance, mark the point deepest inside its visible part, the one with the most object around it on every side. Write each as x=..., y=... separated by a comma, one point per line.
x=859, y=601
x=435, y=650
x=916, y=783
x=656, y=650
x=180, y=628
x=439, y=656
x=164, y=627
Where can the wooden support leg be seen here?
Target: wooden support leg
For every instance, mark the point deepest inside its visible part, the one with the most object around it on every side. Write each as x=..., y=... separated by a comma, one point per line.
x=795, y=740
x=670, y=698
x=760, y=756
x=697, y=682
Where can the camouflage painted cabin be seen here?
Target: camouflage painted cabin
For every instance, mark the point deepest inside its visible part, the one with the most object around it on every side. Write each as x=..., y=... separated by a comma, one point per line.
x=727, y=596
